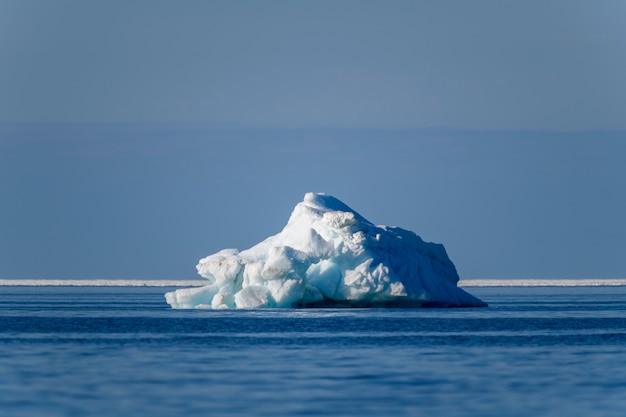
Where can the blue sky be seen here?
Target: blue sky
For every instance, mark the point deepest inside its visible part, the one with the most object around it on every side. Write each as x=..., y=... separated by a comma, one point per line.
x=139, y=136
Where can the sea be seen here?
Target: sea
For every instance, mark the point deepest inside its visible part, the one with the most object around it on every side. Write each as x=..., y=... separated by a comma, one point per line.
x=103, y=350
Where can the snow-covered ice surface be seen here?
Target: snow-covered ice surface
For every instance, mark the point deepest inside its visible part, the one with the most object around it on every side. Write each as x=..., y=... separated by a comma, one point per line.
x=328, y=255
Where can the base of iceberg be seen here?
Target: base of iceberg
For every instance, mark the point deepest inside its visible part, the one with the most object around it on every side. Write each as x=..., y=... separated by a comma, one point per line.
x=328, y=255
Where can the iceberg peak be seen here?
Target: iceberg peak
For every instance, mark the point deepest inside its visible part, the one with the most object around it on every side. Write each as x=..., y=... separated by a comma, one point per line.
x=325, y=203
x=328, y=255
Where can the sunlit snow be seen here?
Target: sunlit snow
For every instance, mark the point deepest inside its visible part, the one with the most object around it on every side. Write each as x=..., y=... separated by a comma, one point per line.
x=328, y=255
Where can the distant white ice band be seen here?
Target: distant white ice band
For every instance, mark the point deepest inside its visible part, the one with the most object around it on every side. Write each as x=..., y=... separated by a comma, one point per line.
x=100, y=283
x=465, y=283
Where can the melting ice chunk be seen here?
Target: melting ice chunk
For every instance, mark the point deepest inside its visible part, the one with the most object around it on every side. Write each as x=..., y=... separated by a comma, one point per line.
x=328, y=255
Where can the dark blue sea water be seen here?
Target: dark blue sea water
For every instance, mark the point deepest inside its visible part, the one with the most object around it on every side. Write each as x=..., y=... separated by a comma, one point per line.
x=92, y=351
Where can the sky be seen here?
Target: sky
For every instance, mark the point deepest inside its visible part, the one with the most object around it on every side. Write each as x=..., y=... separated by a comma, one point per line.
x=356, y=63
x=139, y=136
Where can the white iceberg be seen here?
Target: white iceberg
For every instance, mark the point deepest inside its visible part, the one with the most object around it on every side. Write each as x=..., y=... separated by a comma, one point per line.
x=328, y=255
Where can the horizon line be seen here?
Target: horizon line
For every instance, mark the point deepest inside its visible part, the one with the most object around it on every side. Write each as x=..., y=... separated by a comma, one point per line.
x=478, y=282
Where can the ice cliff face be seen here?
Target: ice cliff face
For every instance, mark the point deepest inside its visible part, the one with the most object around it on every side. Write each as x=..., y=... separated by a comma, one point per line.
x=328, y=255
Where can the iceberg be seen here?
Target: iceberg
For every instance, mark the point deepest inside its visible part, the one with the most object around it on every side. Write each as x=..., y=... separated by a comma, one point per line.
x=328, y=255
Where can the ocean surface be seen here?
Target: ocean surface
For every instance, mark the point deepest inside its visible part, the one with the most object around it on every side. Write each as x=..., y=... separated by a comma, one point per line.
x=121, y=351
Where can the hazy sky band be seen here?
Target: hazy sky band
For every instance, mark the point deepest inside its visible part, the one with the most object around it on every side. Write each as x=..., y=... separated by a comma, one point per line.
x=147, y=202
x=356, y=64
